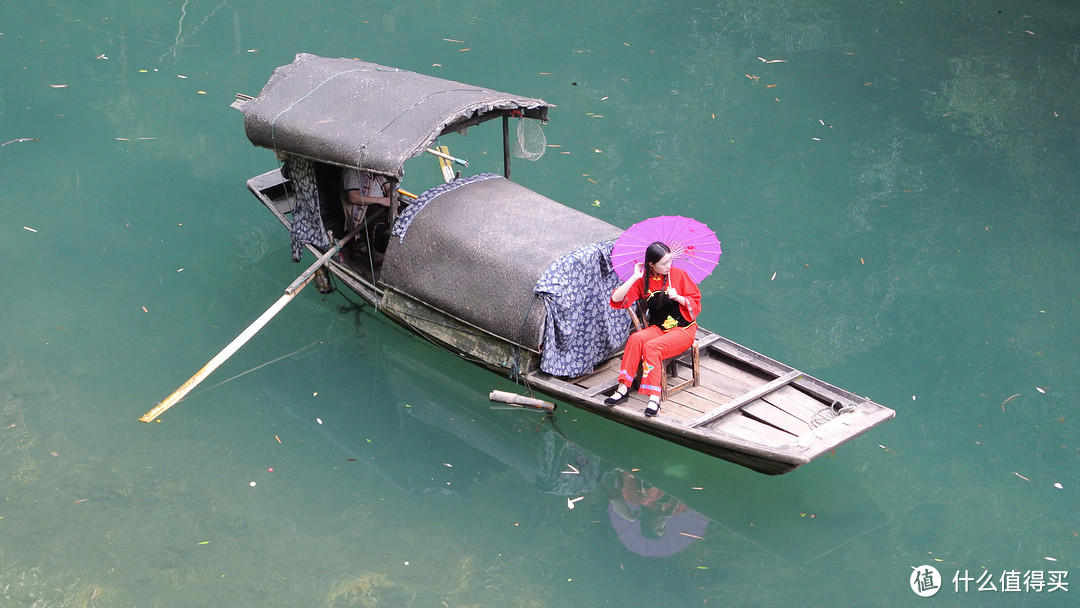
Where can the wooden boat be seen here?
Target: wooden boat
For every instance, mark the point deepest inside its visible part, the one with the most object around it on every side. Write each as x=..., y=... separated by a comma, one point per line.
x=506, y=277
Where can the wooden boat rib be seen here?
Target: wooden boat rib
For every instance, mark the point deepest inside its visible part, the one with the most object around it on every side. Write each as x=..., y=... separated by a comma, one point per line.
x=745, y=408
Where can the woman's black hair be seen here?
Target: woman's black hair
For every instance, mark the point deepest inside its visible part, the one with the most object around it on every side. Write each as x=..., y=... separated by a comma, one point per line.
x=653, y=254
x=656, y=252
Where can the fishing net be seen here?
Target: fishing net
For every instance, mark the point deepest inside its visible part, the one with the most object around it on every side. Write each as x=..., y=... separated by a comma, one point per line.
x=531, y=142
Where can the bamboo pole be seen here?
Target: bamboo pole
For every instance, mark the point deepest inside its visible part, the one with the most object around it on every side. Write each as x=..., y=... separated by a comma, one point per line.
x=247, y=334
x=515, y=399
x=445, y=156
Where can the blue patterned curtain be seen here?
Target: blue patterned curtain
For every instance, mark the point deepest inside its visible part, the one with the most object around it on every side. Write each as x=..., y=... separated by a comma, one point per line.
x=307, y=225
x=581, y=328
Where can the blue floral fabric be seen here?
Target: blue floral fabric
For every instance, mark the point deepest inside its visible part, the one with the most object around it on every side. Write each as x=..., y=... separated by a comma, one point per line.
x=582, y=329
x=307, y=224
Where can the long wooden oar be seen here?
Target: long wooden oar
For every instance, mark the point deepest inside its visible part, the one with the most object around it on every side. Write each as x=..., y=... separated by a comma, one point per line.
x=247, y=334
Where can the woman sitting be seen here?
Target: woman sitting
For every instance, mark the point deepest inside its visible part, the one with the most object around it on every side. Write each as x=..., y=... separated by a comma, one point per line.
x=672, y=300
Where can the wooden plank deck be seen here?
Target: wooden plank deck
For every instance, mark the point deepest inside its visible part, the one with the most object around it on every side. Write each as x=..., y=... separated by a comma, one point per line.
x=746, y=398
x=734, y=374
x=744, y=426
x=726, y=386
x=795, y=402
x=769, y=414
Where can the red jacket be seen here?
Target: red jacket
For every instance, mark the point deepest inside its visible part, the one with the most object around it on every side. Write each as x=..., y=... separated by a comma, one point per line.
x=678, y=279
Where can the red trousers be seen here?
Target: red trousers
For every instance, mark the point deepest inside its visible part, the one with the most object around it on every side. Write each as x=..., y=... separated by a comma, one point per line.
x=647, y=349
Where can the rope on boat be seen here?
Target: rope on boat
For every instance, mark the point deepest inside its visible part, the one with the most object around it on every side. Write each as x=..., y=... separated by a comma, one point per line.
x=829, y=413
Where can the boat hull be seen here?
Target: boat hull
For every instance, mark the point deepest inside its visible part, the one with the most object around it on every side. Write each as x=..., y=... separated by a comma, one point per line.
x=746, y=408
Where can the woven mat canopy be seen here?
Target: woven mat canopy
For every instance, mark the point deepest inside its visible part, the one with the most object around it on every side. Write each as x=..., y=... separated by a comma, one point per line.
x=477, y=252
x=358, y=114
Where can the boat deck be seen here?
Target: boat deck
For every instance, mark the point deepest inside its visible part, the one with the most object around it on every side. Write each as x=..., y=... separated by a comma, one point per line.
x=747, y=408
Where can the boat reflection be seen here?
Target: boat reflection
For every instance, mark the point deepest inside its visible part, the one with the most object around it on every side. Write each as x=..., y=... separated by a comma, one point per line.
x=433, y=431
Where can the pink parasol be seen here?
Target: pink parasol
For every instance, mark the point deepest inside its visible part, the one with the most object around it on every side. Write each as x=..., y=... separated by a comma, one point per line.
x=643, y=536
x=694, y=247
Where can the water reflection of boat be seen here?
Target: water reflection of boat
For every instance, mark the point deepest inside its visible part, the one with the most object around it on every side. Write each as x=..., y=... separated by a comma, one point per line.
x=503, y=276
x=417, y=419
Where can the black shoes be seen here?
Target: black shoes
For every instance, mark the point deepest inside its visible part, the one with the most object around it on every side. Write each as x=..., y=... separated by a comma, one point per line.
x=652, y=409
x=616, y=399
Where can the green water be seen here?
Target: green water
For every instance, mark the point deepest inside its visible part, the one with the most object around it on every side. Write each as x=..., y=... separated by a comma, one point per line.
x=899, y=213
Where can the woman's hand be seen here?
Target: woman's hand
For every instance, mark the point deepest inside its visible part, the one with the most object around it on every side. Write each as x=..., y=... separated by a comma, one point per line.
x=674, y=295
x=621, y=291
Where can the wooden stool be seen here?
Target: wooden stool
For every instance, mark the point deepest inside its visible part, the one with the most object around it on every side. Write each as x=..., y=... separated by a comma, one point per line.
x=690, y=358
